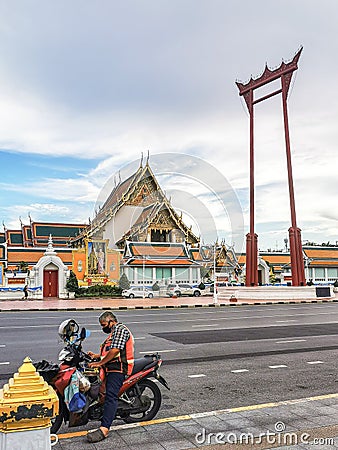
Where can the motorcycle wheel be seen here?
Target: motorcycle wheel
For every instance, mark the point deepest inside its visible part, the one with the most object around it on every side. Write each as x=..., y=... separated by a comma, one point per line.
x=57, y=421
x=148, y=388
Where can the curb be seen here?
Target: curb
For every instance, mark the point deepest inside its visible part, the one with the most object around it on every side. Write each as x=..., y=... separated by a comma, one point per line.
x=209, y=305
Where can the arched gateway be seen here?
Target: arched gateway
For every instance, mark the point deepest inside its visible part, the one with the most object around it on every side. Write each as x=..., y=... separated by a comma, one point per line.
x=51, y=274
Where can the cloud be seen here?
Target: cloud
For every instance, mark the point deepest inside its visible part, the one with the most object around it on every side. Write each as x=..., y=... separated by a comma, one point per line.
x=111, y=81
x=48, y=212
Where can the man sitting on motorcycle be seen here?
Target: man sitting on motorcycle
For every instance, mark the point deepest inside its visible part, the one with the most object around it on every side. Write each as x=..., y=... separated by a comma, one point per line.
x=117, y=358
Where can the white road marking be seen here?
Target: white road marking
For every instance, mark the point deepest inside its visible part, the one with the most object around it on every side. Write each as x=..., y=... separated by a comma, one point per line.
x=240, y=370
x=277, y=366
x=156, y=351
x=197, y=376
x=138, y=338
x=2, y=345
x=205, y=325
x=4, y=363
x=291, y=342
x=284, y=321
x=315, y=362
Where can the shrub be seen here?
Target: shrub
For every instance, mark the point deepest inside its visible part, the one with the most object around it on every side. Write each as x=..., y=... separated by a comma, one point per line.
x=124, y=283
x=99, y=290
x=72, y=284
x=155, y=286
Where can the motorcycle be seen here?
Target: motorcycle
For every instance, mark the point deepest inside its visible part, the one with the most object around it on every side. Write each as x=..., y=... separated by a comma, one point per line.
x=139, y=397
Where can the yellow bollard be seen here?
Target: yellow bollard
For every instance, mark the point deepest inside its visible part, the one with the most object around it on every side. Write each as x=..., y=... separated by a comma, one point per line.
x=27, y=405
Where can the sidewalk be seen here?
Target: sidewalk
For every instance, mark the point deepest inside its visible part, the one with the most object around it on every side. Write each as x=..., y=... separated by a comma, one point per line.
x=299, y=424
x=140, y=303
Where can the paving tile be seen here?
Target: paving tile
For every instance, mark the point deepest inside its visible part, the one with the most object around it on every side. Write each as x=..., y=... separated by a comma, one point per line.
x=326, y=410
x=302, y=424
x=142, y=441
x=112, y=442
x=239, y=423
x=75, y=444
x=330, y=401
x=178, y=444
x=264, y=424
x=230, y=416
x=332, y=405
x=324, y=420
x=211, y=423
x=182, y=423
x=127, y=431
x=189, y=432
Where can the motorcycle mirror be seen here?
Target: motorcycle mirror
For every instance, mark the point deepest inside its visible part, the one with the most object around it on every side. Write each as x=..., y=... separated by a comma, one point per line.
x=83, y=334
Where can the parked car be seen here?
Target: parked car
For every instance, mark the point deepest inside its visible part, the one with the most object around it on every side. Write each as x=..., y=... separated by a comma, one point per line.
x=182, y=289
x=138, y=291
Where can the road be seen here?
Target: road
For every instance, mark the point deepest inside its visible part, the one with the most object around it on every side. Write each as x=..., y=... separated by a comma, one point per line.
x=214, y=358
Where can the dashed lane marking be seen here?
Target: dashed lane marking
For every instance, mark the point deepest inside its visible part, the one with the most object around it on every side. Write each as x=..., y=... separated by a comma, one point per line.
x=285, y=321
x=157, y=351
x=291, y=341
x=278, y=366
x=4, y=363
x=315, y=362
x=200, y=375
x=239, y=370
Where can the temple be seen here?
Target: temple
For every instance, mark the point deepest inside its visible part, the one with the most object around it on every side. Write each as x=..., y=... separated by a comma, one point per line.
x=138, y=232
x=137, y=210
x=137, y=222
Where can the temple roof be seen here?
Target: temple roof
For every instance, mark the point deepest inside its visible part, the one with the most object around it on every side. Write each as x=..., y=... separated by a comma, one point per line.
x=140, y=190
x=157, y=254
x=37, y=233
x=317, y=256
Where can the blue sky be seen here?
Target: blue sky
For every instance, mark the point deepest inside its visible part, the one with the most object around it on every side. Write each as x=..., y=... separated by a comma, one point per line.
x=86, y=87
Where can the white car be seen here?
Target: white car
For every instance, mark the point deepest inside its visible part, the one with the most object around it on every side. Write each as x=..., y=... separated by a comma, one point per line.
x=182, y=289
x=138, y=291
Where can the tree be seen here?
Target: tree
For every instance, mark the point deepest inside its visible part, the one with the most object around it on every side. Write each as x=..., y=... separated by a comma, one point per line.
x=155, y=286
x=124, y=283
x=23, y=266
x=72, y=284
x=204, y=272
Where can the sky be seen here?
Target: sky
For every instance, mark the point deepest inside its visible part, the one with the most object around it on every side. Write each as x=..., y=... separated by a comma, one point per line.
x=87, y=87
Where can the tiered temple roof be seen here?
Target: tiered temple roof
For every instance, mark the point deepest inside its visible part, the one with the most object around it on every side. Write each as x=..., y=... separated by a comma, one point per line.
x=147, y=216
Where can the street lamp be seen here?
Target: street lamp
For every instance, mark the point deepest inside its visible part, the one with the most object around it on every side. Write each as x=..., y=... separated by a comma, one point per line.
x=144, y=257
x=143, y=262
x=215, y=277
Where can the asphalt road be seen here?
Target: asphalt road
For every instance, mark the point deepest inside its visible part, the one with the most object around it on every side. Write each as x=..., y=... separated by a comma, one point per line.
x=214, y=358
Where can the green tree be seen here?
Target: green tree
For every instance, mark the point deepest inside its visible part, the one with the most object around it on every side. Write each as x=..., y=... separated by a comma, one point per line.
x=155, y=286
x=23, y=266
x=72, y=284
x=204, y=272
x=124, y=283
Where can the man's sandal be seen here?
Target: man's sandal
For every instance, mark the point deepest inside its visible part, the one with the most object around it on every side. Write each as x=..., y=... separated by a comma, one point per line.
x=96, y=436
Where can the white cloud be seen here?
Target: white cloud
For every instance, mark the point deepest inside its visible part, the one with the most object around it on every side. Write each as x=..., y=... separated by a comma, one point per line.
x=111, y=82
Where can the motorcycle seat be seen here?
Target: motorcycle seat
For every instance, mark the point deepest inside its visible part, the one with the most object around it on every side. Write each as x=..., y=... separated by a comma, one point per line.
x=142, y=363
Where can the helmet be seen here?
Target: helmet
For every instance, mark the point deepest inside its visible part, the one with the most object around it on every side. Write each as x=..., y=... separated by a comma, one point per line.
x=68, y=330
